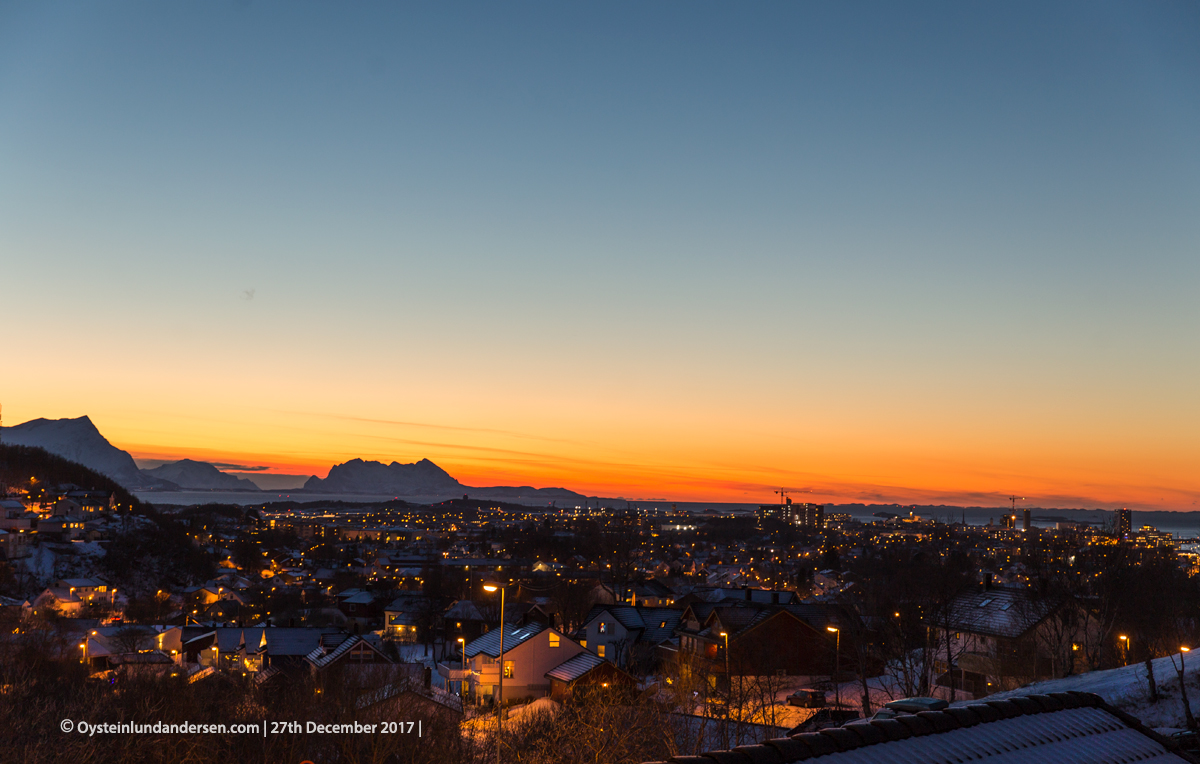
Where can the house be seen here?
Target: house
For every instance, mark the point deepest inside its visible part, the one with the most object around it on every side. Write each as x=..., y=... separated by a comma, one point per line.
x=1059, y=727
x=650, y=593
x=231, y=648
x=627, y=635
x=587, y=673
x=530, y=652
x=60, y=528
x=14, y=545
x=106, y=647
x=361, y=608
x=470, y=619
x=1001, y=637
x=412, y=616
x=760, y=639
x=353, y=651
x=59, y=599
x=729, y=594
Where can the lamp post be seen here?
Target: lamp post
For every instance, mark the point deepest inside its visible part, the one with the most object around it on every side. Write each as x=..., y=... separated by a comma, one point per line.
x=728, y=679
x=462, y=678
x=837, y=666
x=1125, y=647
x=491, y=587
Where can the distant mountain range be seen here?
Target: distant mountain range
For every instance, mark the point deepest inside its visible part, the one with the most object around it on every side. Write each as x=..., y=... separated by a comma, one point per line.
x=423, y=478
x=80, y=441
x=202, y=476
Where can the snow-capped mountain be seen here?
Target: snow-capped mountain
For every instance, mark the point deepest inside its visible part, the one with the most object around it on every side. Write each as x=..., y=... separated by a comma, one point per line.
x=199, y=476
x=422, y=478
x=80, y=441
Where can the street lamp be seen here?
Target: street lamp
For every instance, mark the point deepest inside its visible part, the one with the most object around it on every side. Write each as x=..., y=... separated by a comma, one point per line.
x=491, y=587
x=1125, y=647
x=837, y=666
x=462, y=679
x=728, y=680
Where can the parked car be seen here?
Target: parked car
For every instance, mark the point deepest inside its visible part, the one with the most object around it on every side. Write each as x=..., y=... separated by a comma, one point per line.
x=909, y=706
x=1187, y=740
x=807, y=699
x=825, y=718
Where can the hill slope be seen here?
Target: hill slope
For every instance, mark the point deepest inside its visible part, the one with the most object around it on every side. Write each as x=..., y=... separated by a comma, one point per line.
x=79, y=441
x=19, y=463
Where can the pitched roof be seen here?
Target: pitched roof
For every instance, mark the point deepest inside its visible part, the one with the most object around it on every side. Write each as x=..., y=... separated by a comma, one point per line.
x=489, y=644
x=653, y=625
x=320, y=659
x=1069, y=728
x=998, y=612
x=280, y=640
x=573, y=668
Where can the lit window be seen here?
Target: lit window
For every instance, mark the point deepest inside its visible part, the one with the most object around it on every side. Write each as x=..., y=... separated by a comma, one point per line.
x=603, y=627
x=508, y=669
x=553, y=639
x=600, y=650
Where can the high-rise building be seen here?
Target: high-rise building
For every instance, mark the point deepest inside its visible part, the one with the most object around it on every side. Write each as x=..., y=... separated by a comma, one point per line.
x=808, y=515
x=804, y=515
x=1027, y=521
x=1124, y=523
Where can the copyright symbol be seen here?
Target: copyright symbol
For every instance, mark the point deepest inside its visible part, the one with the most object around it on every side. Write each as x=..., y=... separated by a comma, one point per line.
x=67, y=725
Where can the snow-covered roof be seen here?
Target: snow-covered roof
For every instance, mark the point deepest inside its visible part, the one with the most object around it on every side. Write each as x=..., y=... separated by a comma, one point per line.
x=320, y=659
x=489, y=644
x=572, y=669
x=1065, y=728
x=996, y=612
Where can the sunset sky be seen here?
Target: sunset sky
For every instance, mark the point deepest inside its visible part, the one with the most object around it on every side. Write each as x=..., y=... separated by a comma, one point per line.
x=936, y=253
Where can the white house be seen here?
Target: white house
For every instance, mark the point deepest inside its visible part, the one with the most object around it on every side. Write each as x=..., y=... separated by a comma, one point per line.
x=530, y=652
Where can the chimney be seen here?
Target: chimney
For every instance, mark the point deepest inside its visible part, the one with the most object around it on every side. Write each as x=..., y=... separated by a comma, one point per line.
x=774, y=597
x=746, y=592
x=428, y=679
x=987, y=581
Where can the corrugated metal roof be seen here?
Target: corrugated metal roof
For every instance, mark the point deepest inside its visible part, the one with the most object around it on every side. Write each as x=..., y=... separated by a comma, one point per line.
x=1061, y=728
x=1071, y=736
x=572, y=669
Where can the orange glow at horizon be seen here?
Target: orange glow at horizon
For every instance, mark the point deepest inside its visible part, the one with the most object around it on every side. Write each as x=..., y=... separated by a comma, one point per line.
x=651, y=440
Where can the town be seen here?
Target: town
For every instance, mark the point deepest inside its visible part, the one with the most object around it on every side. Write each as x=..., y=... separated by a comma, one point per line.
x=701, y=631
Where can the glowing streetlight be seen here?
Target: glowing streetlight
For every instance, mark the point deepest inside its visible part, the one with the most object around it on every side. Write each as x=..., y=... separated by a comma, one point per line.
x=462, y=686
x=1125, y=647
x=492, y=587
x=837, y=666
x=725, y=636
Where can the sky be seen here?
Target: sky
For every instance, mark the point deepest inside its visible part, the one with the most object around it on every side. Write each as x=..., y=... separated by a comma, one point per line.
x=920, y=252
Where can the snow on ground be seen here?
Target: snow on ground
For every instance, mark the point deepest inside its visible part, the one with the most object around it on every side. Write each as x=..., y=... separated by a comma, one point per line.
x=1128, y=689
x=530, y=710
x=40, y=564
x=414, y=653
